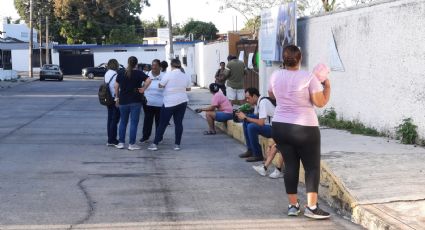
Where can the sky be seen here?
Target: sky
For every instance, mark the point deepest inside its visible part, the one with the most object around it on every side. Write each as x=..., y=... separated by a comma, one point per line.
x=181, y=10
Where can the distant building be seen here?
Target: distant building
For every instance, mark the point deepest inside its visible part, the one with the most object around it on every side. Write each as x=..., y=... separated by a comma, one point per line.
x=17, y=31
x=11, y=47
x=72, y=58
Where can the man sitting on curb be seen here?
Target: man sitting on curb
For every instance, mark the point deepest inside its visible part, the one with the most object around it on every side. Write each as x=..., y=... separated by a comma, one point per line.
x=258, y=124
x=220, y=109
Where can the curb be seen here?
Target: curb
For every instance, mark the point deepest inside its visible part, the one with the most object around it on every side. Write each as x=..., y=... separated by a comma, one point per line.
x=19, y=81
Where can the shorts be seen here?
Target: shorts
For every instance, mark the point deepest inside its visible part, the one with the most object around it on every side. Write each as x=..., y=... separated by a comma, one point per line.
x=221, y=116
x=235, y=94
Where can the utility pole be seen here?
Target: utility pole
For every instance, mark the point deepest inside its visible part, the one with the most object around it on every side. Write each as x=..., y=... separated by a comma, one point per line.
x=31, y=41
x=47, y=41
x=170, y=28
x=41, y=42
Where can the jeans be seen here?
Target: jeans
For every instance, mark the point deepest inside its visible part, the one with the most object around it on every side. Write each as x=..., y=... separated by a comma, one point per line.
x=251, y=132
x=177, y=112
x=151, y=113
x=112, y=124
x=133, y=111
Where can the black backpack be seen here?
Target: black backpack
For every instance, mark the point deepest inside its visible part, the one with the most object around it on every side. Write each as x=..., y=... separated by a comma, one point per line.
x=104, y=94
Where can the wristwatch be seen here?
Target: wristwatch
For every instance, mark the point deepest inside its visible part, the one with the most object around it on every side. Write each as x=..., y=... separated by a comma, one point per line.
x=245, y=119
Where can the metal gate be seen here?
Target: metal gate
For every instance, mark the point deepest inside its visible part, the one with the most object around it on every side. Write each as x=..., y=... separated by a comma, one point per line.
x=249, y=46
x=72, y=62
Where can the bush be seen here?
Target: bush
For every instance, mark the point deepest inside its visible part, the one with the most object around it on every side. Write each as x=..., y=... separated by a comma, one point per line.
x=407, y=131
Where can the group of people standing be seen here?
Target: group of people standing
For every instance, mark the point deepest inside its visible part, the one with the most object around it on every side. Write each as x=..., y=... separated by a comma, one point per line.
x=161, y=94
x=287, y=115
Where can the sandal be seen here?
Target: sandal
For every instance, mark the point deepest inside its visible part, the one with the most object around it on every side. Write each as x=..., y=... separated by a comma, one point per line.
x=209, y=132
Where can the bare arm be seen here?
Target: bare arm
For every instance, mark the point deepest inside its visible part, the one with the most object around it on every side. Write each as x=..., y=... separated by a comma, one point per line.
x=320, y=99
x=146, y=85
x=117, y=89
x=117, y=93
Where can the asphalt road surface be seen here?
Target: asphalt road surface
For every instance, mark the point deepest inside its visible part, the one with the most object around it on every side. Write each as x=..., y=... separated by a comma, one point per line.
x=56, y=172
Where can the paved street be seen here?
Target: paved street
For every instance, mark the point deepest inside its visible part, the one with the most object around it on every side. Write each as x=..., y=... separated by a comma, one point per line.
x=56, y=172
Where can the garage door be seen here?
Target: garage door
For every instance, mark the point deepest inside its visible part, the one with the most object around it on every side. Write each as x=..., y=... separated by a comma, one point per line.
x=72, y=63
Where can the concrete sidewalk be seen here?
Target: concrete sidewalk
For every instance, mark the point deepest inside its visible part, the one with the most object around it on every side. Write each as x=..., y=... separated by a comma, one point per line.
x=377, y=182
x=23, y=79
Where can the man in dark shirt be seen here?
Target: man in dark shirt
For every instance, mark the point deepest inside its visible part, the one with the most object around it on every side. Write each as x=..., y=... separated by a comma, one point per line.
x=220, y=79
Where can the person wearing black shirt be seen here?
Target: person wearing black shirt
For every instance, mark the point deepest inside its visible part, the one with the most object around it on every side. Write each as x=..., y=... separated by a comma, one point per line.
x=128, y=88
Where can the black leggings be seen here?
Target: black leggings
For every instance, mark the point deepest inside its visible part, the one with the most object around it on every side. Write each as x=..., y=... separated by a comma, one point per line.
x=297, y=143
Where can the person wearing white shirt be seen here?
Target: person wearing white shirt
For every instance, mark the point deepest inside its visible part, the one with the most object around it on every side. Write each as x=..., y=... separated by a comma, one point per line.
x=175, y=84
x=258, y=124
x=155, y=98
x=113, y=111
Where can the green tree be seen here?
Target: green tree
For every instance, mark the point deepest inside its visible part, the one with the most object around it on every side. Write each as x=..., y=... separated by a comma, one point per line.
x=116, y=36
x=177, y=29
x=200, y=30
x=91, y=21
x=253, y=25
x=41, y=9
x=150, y=27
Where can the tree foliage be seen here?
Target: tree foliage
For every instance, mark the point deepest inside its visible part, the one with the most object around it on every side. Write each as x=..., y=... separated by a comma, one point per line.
x=115, y=36
x=253, y=25
x=200, y=30
x=91, y=21
x=150, y=27
x=252, y=8
x=41, y=9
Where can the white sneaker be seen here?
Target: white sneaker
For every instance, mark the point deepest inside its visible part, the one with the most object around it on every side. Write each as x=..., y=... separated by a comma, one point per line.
x=177, y=147
x=119, y=146
x=153, y=147
x=133, y=147
x=276, y=174
x=260, y=169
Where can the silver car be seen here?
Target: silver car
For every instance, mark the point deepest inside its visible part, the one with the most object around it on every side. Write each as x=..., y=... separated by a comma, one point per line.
x=51, y=71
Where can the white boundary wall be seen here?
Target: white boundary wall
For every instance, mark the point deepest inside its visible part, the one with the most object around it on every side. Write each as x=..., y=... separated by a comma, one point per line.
x=207, y=61
x=20, y=60
x=382, y=48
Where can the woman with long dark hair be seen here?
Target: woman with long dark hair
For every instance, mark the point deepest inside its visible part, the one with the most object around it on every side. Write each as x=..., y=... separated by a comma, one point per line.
x=175, y=84
x=295, y=128
x=128, y=87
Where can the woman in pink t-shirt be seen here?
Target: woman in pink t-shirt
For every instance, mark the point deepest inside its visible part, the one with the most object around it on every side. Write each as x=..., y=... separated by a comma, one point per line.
x=295, y=128
x=220, y=109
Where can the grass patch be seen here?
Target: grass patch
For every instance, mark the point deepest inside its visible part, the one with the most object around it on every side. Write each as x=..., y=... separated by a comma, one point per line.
x=329, y=119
